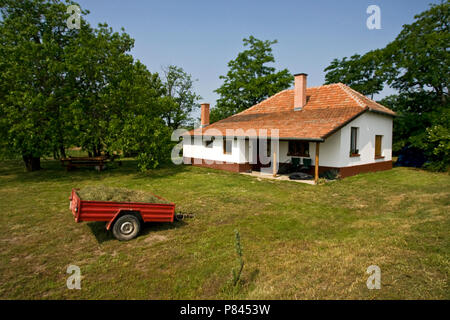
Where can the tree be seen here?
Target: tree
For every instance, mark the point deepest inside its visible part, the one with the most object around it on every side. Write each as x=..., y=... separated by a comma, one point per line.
x=140, y=128
x=419, y=58
x=415, y=113
x=102, y=72
x=121, y=103
x=61, y=87
x=182, y=99
x=362, y=73
x=33, y=37
x=249, y=80
x=438, y=140
x=417, y=64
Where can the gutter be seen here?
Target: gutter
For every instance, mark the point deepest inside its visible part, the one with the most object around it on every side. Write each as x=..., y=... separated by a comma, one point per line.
x=384, y=113
x=268, y=137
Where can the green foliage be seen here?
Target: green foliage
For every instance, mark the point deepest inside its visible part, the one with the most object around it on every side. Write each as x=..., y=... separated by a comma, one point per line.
x=419, y=59
x=438, y=143
x=149, y=138
x=249, y=80
x=62, y=87
x=415, y=113
x=237, y=273
x=137, y=127
x=362, y=73
x=417, y=64
x=105, y=75
x=178, y=86
x=34, y=84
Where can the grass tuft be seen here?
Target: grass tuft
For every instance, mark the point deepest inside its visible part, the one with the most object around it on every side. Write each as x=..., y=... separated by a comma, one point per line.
x=105, y=193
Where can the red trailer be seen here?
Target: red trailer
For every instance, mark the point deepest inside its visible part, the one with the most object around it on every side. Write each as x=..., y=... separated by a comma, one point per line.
x=125, y=218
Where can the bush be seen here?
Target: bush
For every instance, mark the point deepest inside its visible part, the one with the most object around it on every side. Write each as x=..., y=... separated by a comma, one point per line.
x=438, y=148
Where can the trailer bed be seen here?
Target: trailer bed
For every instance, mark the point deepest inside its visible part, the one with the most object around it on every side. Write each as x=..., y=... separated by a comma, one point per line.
x=110, y=211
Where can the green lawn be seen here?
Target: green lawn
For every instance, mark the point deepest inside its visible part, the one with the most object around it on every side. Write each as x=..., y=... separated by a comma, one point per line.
x=299, y=241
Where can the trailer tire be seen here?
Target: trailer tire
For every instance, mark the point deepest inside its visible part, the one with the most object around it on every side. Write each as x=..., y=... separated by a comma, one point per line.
x=126, y=227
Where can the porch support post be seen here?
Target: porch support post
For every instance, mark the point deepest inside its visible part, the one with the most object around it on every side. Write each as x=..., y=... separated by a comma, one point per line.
x=274, y=163
x=316, y=164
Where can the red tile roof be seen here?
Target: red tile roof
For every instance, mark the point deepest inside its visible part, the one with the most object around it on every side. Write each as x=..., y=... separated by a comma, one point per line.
x=328, y=108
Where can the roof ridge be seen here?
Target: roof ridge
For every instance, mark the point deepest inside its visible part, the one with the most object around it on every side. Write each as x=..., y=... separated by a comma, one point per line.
x=316, y=87
x=371, y=100
x=282, y=91
x=265, y=100
x=324, y=85
x=352, y=94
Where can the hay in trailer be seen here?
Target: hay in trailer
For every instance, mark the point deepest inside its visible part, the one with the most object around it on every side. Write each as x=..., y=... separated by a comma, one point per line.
x=105, y=193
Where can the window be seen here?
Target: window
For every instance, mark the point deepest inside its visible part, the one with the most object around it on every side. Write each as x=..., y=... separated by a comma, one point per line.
x=378, y=144
x=209, y=143
x=227, y=146
x=354, y=141
x=298, y=148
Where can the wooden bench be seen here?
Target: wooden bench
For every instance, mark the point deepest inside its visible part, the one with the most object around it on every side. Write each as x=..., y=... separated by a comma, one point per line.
x=73, y=162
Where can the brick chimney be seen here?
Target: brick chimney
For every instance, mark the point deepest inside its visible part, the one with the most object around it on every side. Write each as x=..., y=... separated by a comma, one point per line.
x=299, y=90
x=205, y=115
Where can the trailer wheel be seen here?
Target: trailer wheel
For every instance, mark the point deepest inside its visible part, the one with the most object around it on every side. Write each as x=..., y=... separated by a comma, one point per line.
x=126, y=227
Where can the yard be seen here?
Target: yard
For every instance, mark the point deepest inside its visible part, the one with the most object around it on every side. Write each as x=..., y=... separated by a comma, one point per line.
x=299, y=241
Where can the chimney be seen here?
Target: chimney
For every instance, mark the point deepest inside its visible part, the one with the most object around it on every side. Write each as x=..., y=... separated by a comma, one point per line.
x=299, y=90
x=205, y=115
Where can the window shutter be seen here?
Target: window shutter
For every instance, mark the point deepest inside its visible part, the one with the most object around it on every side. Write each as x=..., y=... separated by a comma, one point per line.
x=378, y=145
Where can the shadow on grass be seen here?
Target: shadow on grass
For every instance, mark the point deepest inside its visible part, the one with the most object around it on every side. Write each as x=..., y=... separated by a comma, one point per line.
x=98, y=229
x=52, y=170
x=163, y=171
x=150, y=227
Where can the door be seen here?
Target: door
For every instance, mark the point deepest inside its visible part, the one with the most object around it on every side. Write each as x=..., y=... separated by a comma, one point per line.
x=258, y=165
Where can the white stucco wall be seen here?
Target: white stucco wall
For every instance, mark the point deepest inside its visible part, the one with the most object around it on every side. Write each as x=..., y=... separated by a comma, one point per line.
x=197, y=149
x=329, y=151
x=370, y=124
x=335, y=151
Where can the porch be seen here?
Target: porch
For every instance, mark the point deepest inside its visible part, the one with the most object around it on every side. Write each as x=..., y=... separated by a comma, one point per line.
x=279, y=158
x=280, y=177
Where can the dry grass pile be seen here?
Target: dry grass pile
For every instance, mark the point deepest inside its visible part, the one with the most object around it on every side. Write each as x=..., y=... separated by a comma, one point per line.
x=105, y=193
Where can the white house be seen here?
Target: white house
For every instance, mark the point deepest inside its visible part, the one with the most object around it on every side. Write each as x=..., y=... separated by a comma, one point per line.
x=328, y=127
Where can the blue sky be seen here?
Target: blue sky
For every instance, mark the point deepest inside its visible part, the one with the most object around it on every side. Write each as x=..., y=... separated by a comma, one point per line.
x=202, y=36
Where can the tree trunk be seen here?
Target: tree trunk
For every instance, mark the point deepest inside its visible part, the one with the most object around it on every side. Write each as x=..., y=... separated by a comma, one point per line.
x=62, y=151
x=97, y=150
x=32, y=163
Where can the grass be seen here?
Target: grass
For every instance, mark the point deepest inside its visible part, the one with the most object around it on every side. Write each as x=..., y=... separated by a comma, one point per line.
x=298, y=241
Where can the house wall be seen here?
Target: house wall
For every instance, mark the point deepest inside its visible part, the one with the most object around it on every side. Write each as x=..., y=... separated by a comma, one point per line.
x=195, y=148
x=335, y=151
x=369, y=124
x=327, y=153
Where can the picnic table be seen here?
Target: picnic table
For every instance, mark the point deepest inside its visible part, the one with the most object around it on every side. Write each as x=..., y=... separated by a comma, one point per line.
x=73, y=162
